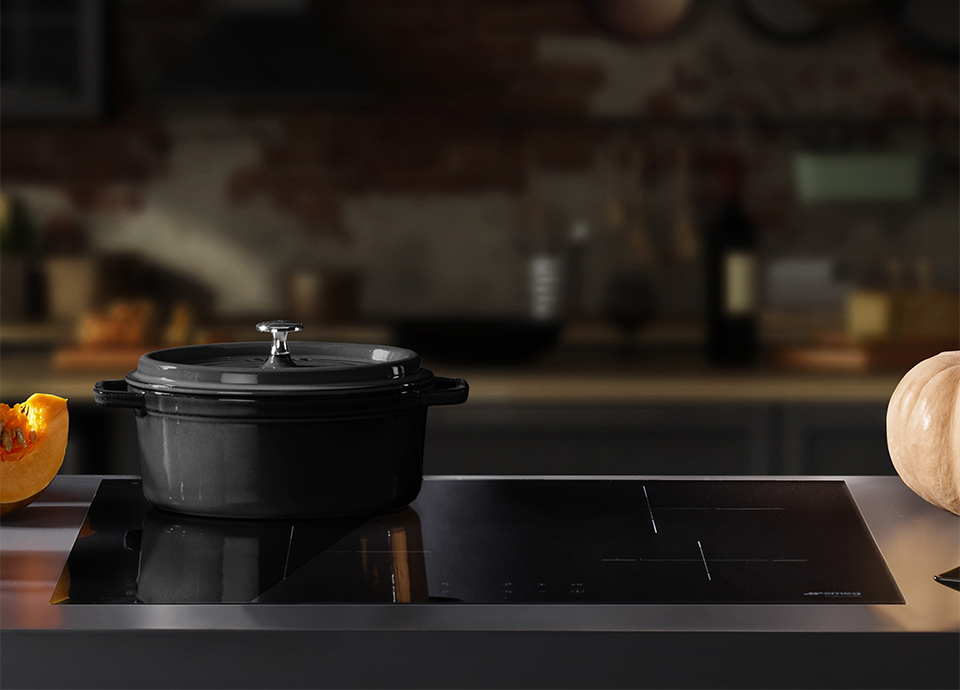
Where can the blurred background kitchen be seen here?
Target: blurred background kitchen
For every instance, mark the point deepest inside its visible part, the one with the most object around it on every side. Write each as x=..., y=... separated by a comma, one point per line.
x=538, y=195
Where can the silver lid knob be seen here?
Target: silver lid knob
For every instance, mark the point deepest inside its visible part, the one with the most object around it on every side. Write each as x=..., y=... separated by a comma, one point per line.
x=279, y=329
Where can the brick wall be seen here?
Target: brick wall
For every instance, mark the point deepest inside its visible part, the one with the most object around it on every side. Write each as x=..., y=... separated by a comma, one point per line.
x=468, y=89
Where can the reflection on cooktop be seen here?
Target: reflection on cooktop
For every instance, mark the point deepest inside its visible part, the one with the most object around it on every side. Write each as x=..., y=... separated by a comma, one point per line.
x=497, y=541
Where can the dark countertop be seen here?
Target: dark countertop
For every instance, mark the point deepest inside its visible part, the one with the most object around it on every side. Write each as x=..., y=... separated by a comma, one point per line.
x=916, y=644
x=590, y=366
x=587, y=376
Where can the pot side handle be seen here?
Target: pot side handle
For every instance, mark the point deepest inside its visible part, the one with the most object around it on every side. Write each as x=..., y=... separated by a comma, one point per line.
x=114, y=393
x=445, y=391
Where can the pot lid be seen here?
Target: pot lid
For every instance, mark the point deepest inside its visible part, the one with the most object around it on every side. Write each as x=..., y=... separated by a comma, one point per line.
x=264, y=368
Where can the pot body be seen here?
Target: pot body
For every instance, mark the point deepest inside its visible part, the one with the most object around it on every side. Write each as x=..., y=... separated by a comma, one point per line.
x=282, y=456
x=274, y=468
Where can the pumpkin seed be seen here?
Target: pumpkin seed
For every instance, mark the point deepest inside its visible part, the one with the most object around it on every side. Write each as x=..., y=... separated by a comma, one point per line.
x=6, y=441
x=21, y=439
x=33, y=436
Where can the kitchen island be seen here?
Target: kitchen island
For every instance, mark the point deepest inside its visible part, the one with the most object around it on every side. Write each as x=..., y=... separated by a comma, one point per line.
x=514, y=644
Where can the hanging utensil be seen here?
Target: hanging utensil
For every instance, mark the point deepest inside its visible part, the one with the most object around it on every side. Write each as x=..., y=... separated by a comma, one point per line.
x=638, y=20
x=629, y=301
x=785, y=20
x=686, y=246
x=929, y=27
x=640, y=247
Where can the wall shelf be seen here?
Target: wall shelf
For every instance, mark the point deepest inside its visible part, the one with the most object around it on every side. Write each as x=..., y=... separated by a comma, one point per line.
x=507, y=121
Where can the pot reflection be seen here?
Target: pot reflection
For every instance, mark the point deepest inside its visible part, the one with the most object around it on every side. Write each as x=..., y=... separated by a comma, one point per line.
x=186, y=559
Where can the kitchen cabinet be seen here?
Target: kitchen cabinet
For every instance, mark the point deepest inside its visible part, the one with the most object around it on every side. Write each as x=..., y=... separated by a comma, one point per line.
x=834, y=439
x=670, y=438
x=686, y=439
x=100, y=441
x=53, y=59
x=575, y=415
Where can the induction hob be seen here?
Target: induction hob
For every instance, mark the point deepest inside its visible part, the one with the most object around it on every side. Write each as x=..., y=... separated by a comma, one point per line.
x=497, y=541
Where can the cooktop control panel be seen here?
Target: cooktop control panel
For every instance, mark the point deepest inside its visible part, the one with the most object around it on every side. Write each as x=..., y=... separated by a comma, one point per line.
x=497, y=541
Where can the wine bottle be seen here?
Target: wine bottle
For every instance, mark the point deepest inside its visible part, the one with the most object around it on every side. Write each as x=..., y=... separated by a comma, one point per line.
x=732, y=276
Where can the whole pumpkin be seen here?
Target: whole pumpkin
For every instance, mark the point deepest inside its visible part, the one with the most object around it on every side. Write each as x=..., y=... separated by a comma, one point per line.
x=923, y=430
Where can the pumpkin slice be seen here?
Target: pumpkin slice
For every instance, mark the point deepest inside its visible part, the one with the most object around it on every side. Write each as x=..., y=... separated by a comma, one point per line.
x=33, y=441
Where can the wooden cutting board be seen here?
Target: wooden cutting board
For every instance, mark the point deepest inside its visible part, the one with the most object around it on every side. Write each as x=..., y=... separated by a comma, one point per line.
x=100, y=359
x=838, y=353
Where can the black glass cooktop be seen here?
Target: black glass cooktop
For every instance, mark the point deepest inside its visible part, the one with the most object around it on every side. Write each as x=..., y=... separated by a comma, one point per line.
x=498, y=541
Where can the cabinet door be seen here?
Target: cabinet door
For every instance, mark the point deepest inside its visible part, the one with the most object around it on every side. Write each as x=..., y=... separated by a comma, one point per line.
x=835, y=439
x=52, y=58
x=101, y=441
x=672, y=439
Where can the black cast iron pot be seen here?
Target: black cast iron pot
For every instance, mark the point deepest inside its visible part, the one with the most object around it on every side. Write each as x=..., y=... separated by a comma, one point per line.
x=250, y=430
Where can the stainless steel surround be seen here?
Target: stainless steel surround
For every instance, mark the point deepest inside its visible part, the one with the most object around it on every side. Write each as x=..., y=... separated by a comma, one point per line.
x=916, y=644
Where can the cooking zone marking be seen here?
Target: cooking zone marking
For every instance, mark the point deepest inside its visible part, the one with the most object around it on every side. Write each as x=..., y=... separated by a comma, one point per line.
x=702, y=557
x=654, y=522
x=686, y=508
x=289, y=546
x=375, y=551
x=704, y=560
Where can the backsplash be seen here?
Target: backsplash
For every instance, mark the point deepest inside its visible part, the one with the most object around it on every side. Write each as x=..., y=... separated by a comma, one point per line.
x=424, y=193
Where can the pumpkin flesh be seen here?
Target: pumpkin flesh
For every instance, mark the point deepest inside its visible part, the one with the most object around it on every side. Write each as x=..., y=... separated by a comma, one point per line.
x=33, y=442
x=923, y=430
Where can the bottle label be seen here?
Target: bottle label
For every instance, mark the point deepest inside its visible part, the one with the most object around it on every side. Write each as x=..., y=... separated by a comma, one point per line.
x=739, y=283
x=545, y=278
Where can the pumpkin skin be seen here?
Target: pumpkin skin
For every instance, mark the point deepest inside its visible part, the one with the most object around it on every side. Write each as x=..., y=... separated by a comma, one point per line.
x=33, y=442
x=923, y=430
